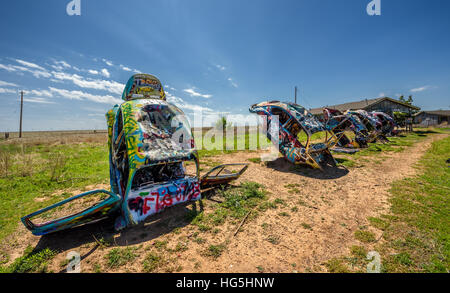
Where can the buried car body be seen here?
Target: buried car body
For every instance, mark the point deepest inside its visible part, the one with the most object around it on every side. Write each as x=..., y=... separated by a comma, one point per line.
x=150, y=146
x=293, y=120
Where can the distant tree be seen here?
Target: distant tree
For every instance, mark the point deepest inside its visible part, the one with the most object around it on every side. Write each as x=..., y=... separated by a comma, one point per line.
x=400, y=118
x=223, y=123
x=410, y=100
x=402, y=98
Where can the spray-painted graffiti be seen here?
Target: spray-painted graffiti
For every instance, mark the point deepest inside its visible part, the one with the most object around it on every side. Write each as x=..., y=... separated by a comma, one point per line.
x=149, y=142
x=148, y=201
x=143, y=86
x=295, y=120
x=388, y=124
x=338, y=123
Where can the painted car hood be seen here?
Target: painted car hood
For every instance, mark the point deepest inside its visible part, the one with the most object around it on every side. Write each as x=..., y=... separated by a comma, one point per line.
x=303, y=117
x=150, y=142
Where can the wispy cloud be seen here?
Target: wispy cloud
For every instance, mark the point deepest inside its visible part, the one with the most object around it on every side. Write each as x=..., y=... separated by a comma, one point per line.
x=98, y=84
x=30, y=65
x=420, y=89
x=32, y=68
x=38, y=100
x=79, y=95
x=61, y=65
x=233, y=84
x=40, y=93
x=105, y=73
x=7, y=91
x=193, y=93
x=107, y=62
x=124, y=68
x=9, y=68
x=4, y=83
x=179, y=102
x=220, y=67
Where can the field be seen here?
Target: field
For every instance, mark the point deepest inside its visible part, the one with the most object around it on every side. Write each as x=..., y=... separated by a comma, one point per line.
x=389, y=198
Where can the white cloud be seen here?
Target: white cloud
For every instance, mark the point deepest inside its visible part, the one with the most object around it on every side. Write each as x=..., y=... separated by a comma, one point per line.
x=98, y=84
x=38, y=100
x=39, y=74
x=41, y=93
x=57, y=67
x=109, y=63
x=193, y=93
x=420, y=89
x=105, y=73
x=4, y=83
x=9, y=68
x=220, y=67
x=382, y=95
x=19, y=69
x=233, y=84
x=170, y=88
x=180, y=103
x=63, y=63
x=79, y=95
x=30, y=65
x=94, y=72
x=7, y=91
x=125, y=68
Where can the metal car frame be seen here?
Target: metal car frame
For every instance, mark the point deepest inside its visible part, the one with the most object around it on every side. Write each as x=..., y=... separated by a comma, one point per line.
x=294, y=120
x=148, y=163
x=338, y=123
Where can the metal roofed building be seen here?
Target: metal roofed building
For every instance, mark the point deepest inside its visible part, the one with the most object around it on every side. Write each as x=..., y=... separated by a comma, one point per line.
x=428, y=118
x=386, y=105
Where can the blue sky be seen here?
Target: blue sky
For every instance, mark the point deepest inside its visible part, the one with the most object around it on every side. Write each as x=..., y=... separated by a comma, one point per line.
x=217, y=56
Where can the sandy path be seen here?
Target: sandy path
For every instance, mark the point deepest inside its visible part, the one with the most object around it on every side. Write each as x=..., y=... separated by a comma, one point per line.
x=336, y=204
x=341, y=204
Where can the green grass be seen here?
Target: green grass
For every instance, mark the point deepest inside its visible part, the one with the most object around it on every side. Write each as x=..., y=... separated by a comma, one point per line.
x=33, y=173
x=416, y=232
x=255, y=160
x=396, y=144
x=36, y=171
x=365, y=236
x=215, y=251
x=240, y=143
x=30, y=262
x=117, y=257
x=306, y=226
x=336, y=265
x=237, y=203
x=152, y=262
x=419, y=227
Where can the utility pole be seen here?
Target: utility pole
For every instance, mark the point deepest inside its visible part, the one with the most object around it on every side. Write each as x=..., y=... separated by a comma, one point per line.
x=21, y=110
x=296, y=94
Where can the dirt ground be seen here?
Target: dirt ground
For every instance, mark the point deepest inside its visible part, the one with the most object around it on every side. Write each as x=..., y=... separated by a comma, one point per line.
x=292, y=238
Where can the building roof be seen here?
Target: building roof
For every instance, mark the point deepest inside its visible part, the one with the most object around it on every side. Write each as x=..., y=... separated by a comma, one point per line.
x=436, y=112
x=361, y=105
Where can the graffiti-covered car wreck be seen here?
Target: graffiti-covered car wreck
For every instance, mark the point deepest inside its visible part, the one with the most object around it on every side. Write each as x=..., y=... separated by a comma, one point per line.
x=338, y=123
x=388, y=124
x=372, y=124
x=153, y=163
x=294, y=122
